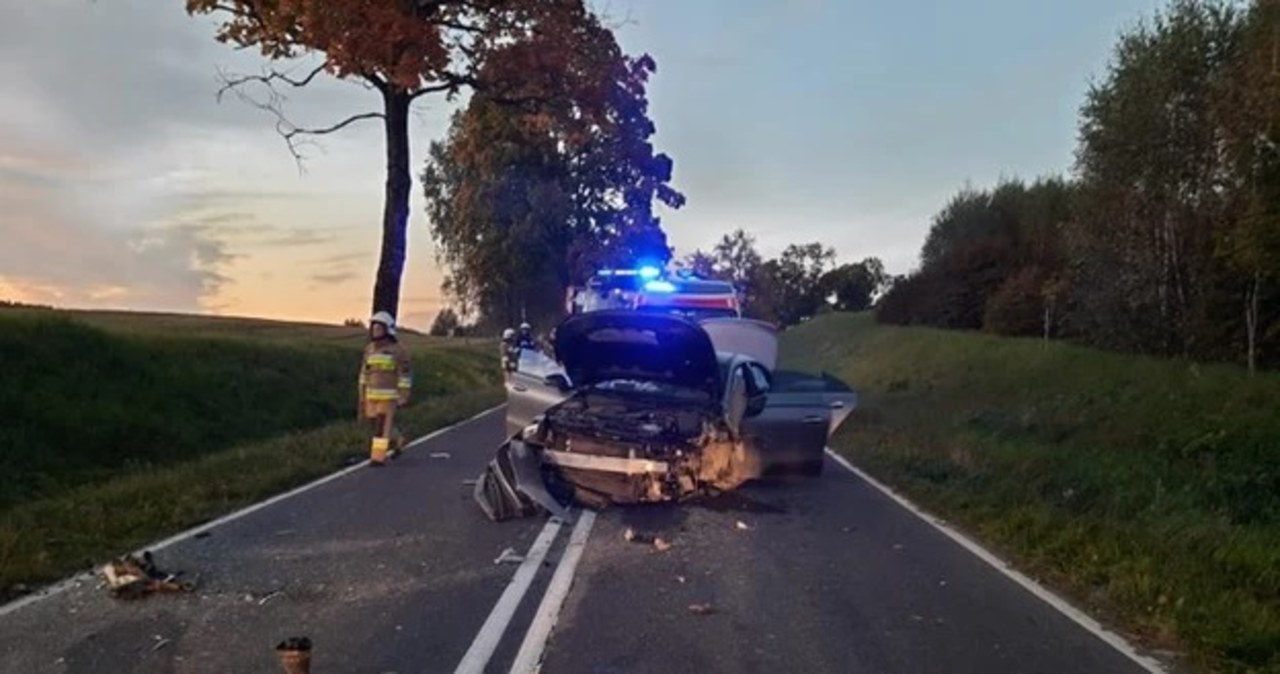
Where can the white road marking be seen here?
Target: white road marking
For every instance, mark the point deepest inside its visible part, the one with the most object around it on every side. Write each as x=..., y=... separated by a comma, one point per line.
x=544, y=621
x=74, y=581
x=1079, y=617
x=490, y=634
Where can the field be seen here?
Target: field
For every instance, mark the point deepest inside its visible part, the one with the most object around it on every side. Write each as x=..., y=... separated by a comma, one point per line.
x=1147, y=490
x=120, y=428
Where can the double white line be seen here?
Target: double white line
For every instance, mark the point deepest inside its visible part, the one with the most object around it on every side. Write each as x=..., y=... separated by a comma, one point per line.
x=529, y=657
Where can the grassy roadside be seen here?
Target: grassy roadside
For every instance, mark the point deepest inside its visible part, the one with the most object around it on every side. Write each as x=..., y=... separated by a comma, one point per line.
x=89, y=396
x=46, y=539
x=1146, y=490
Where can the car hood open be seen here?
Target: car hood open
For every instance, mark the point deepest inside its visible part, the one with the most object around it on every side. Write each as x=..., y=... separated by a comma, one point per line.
x=602, y=346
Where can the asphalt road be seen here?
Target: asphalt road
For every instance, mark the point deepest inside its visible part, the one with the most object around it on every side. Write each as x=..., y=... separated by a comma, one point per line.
x=392, y=570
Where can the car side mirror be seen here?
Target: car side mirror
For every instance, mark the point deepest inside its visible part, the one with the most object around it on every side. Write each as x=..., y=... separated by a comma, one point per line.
x=557, y=381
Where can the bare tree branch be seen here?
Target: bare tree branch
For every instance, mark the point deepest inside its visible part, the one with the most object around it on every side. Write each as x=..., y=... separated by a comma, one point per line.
x=295, y=137
x=268, y=79
x=452, y=83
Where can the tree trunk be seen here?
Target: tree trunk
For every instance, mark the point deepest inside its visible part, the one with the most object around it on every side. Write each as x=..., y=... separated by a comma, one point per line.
x=1251, y=321
x=395, y=209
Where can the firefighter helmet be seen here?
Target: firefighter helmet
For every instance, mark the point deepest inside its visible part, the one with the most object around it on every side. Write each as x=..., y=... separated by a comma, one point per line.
x=387, y=320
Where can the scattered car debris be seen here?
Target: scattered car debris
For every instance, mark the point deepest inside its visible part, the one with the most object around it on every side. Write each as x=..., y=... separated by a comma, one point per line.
x=203, y=534
x=470, y=483
x=294, y=654
x=132, y=578
x=440, y=455
x=509, y=556
x=661, y=545
x=161, y=642
x=268, y=597
x=681, y=579
x=701, y=609
x=742, y=526
x=631, y=536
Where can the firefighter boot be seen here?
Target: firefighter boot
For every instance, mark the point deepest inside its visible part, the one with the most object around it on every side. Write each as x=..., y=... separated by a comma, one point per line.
x=378, y=451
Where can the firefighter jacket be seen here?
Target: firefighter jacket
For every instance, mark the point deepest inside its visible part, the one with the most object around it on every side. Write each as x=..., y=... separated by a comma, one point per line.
x=386, y=377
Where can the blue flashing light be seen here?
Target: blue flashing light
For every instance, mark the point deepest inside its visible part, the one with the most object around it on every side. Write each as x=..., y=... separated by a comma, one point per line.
x=660, y=286
x=650, y=272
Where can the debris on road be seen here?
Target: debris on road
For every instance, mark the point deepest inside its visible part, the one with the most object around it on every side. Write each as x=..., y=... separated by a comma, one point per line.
x=295, y=655
x=132, y=578
x=470, y=483
x=660, y=544
x=509, y=556
x=742, y=526
x=268, y=597
x=681, y=580
x=203, y=534
x=440, y=455
x=701, y=609
x=631, y=536
x=161, y=642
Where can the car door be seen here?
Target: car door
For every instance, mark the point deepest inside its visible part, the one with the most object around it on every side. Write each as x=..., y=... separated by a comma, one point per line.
x=531, y=389
x=800, y=413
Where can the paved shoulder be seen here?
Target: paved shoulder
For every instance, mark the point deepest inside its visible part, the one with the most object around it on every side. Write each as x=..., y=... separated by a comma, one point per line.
x=828, y=575
x=386, y=570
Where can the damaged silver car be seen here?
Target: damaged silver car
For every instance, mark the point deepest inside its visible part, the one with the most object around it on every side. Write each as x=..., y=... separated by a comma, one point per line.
x=638, y=407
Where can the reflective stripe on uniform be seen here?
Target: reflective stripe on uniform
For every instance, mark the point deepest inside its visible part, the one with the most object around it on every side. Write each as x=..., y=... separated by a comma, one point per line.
x=381, y=394
x=381, y=361
x=406, y=382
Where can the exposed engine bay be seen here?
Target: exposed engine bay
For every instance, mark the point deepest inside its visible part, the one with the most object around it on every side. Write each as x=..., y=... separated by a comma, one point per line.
x=628, y=449
x=599, y=448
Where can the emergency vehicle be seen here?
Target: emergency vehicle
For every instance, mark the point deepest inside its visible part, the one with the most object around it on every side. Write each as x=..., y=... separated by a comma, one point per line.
x=650, y=289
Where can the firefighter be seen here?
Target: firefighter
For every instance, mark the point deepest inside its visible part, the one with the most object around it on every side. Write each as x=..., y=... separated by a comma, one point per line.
x=510, y=354
x=525, y=339
x=386, y=380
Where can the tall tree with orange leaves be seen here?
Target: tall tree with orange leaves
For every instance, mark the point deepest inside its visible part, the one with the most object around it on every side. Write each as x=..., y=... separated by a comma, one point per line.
x=400, y=49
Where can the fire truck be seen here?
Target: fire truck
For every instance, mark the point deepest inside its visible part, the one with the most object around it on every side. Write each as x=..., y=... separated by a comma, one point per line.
x=652, y=289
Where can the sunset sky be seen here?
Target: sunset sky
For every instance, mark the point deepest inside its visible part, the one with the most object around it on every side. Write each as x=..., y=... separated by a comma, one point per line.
x=125, y=184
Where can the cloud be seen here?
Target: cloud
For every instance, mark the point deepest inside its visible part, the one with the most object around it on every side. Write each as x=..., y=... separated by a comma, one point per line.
x=333, y=278
x=344, y=259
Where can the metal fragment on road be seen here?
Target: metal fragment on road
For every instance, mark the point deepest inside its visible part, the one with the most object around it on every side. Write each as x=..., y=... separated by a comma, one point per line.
x=742, y=526
x=440, y=455
x=509, y=556
x=661, y=545
x=701, y=609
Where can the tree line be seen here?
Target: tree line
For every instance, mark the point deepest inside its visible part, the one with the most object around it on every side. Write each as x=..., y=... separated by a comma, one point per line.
x=1165, y=239
x=803, y=281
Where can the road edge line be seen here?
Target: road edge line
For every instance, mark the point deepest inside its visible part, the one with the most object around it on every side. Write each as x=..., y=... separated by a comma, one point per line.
x=529, y=658
x=495, y=625
x=65, y=584
x=1041, y=592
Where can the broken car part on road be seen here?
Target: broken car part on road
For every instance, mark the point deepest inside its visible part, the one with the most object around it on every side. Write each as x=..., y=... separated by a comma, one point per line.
x=639, y=408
